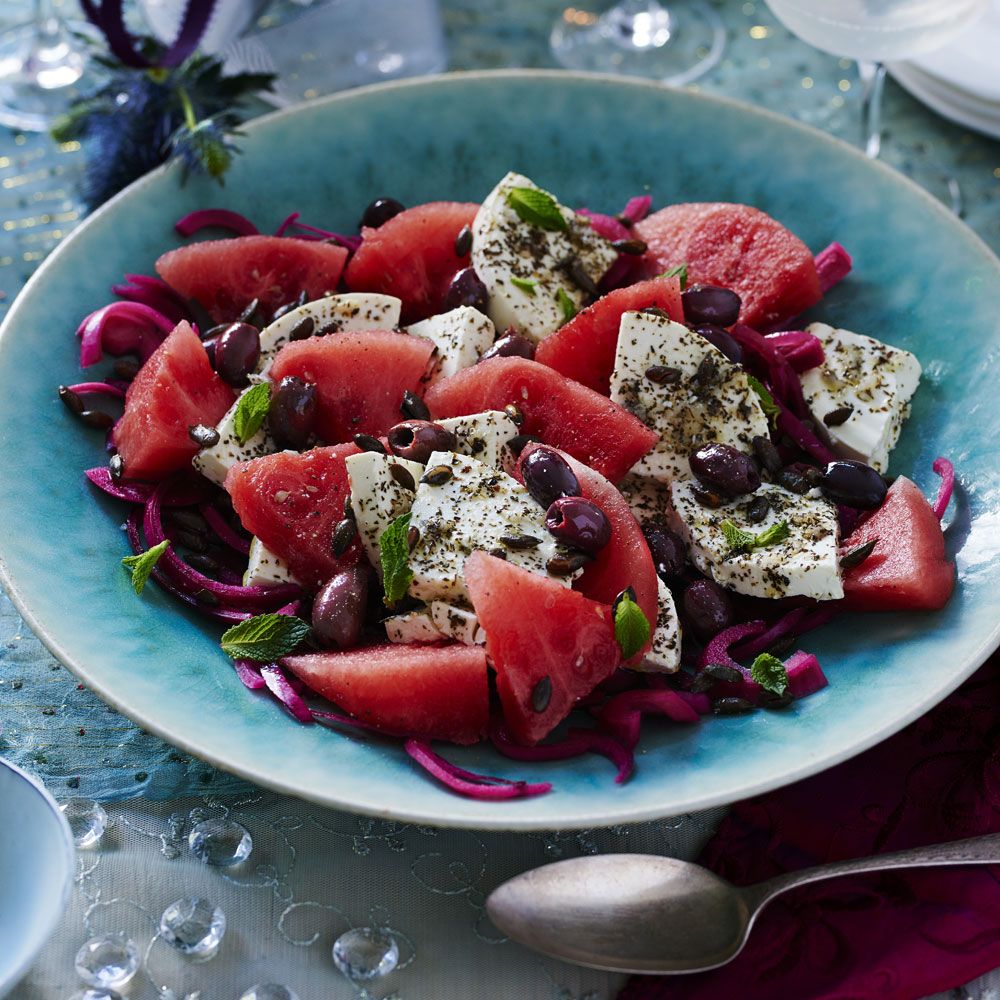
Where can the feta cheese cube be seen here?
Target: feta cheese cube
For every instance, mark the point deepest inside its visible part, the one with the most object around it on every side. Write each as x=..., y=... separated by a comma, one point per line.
x=700, y=398
x=484, y=436
x=377, y=498
x=476, y=507
x=664, y=656
x=457, y=623
x=414, y=626
x=806, y=563
x=524, y=267
x=461, y=337
x=871, y=380
x=648, y=498
x=215, y=462
x=265, y=567
x=330, y=314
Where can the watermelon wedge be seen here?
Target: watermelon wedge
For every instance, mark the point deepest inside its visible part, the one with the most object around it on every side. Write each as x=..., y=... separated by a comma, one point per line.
x=431, y=692
x=563, y=413
x=360, y=378
x=292, y=502
x=584, y=349
x=908, y=570
x=225, y=276
x=174, y=390
x=738, y=247
x=549, y=645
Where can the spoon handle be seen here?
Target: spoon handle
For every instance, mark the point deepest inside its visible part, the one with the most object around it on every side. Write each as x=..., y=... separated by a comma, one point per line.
x=973, y=851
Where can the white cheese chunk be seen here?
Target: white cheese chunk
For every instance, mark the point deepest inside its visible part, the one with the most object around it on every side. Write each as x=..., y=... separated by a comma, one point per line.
x=376, y=497
x=265, y=567
x=330, y=314
x=875, y=380
x=461, y=337
x=691, y=409
x=507, y=250
x=475, y=508
x=457, y=623
x=484, y=436
x=805, y=563
x=648, y=498
x=414, y=626
x=664, y=656
x=215, y=462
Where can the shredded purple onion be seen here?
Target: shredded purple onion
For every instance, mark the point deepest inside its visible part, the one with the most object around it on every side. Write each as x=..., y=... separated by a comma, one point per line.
x=218, y=218
x=946, y=470
x=637, y=208
x=578, y=742
x=223, y=529
x=278, y=684
x=467, y=783
x=98, y=388
x=791, y=425
x=796, y=622
x=248, y=673
x=336, y=719
x=802, y=350
x=805, y=675
x=772, y=367
x=180, y=491
x=312, y=233
x=623, y=713
x=122, y=328
x=604, y=225
x=833, y=264
x=155, y=293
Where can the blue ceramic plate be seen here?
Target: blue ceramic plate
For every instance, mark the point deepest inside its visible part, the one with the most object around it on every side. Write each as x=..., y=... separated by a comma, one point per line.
x=922, y=280
x=36, y=871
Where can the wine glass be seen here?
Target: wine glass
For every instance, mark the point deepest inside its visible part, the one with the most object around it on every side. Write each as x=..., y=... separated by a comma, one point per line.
x=674, y=44
x=40, y=62
x=873, y=32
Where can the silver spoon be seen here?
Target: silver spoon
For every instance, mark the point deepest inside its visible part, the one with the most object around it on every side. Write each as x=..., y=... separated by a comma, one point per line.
x=644, y=913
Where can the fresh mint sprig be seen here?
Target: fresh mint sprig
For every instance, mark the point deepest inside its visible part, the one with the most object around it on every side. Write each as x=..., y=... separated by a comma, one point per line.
x=251, y=411
x=770, y=673
x=264, y=638
x=741, y=541
x=632, y=629
x=537, y=208
x=394, y=555
x=767, y=403
x=679, y=271
x=141, y=565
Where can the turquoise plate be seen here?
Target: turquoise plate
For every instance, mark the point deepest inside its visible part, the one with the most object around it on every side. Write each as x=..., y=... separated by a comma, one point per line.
x=922, y=280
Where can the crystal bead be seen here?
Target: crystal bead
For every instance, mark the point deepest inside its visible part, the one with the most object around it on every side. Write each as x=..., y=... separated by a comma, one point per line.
x=364, y=953
x=194, y=926
x=87, y=821
x=96, y=994
x=220, y=842
x=269, y=991
x=108, y=960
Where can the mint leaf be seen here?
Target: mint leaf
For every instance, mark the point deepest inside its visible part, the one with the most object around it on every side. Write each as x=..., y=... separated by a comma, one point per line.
x=767, y=402
x=737, y=539
x=264, y=638
x=566, y=304
x=142, y=564
x=771, y=536
x=251, y=411
x=770, y=673
x=679, y=271
x=394, y=554
x=537, y=208
x=631, y=625
x=525, y=284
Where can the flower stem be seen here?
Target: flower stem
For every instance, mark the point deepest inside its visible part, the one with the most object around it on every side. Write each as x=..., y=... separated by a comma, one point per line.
x=189, y=116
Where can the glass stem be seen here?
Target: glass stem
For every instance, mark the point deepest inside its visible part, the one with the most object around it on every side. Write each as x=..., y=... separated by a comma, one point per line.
x=872, y=76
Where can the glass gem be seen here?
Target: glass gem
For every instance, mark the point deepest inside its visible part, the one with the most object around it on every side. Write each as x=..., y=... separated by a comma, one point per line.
x=96, y=994
x=269, y=991
x=220, y=842
x=364, y=953
x=108, y=960
x=194, y=926
x=87, y=821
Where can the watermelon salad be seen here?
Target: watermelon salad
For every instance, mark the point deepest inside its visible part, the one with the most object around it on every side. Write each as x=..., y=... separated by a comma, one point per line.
x=510, y=471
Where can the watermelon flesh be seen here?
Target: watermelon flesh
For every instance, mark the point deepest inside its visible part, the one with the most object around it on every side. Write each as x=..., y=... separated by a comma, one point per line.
x=549, y=645
x=563, y=413
x=584, y=348
x=174, y=390
x=909, y=569
x=429, y=692
x=737, y=247
x=412, y=256
x=625, y=561
x=292, y=502
x=225, y=276
x=360, y=378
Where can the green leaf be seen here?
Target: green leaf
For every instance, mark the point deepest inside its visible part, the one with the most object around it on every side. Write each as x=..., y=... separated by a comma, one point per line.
x=394, y=555
x=767, y=402
x=679, y=271
x=737, y=539
x=264, y=638
x=537, y=208
x=525, y=284
x=251, y=411
x=770, y=673
x=566, y=304
x=632, y=629
x=142, y=564
x=771, y=536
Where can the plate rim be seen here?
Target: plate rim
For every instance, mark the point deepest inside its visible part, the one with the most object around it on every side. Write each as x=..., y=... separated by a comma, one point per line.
x=601, y=816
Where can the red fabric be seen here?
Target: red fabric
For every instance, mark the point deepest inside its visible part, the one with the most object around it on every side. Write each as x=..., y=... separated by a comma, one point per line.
x=891, y=936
